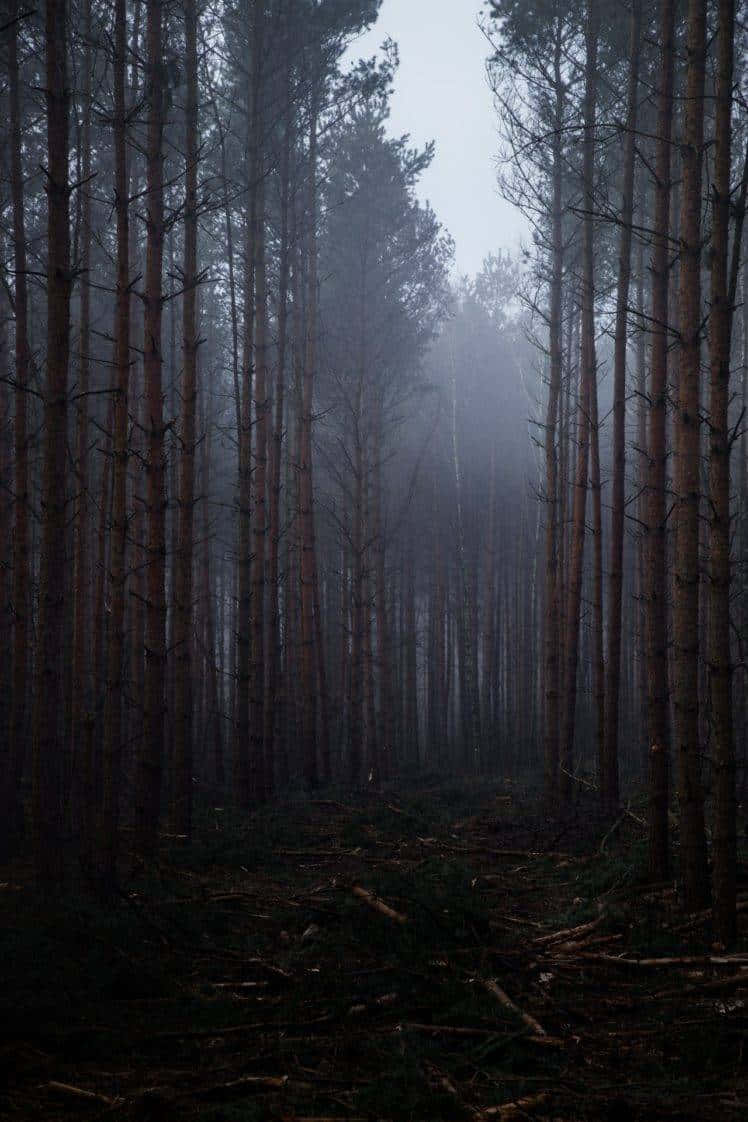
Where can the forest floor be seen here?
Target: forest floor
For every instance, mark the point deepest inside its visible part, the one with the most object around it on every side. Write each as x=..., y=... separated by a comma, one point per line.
x=515, y=970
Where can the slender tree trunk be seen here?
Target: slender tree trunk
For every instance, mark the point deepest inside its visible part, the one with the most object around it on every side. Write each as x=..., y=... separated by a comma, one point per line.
x=642, y=413
x=150, y=764
x=385, y=733
x=412, y=737
x=489, y=608
x=551, y=643
x=47, y=739
x=11, y=809
x=181, y=810
x=112, y=739
x=658, y=711
x=356, y=706
x=242, y=775
x=720, y=662
x=306, y=512
x=81, y=685
x=687, y=477
x=258, y=748
x=609, y=762
x=587, y=375
x=273, y=707
x=469, y=700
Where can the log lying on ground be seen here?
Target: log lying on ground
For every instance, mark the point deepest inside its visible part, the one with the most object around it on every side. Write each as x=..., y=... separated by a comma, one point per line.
x=378, y=905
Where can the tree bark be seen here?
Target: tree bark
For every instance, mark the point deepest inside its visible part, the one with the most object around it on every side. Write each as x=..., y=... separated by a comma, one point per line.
x=150, y=764
x=609, y=763
x=11, y=810
x=112, y=738
x=81, y=698
x=47, y=741
x=587, y=375
x=551, y=638
x=724, y=849
x=687, y=480
x=306, y=512
x=658, y=706
x=181, y=809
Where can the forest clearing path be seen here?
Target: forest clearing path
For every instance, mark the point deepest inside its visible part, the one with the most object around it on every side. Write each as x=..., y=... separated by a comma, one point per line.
x=445, y=954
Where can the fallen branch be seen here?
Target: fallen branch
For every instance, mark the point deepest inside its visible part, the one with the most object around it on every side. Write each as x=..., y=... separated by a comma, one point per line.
x=504, y=999
x=444, y=1030
x=657, y=963
x=69, y=1090
x=713, y=985
x=246, y=1085
x=701, y=917
x=626, y=813
x=568, y=934
x=513, y=1110
x=239, y=1030
x=378, y=905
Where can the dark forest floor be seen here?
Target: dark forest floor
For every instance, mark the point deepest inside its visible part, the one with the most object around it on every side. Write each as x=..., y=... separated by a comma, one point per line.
x=242, y=978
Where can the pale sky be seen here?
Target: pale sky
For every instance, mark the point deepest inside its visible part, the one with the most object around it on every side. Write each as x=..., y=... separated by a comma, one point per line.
x=441, y=94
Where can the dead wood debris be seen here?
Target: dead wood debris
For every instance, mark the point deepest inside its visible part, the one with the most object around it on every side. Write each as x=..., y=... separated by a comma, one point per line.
x=504, y=999
x=378, y=905
x=68, y=1090
x=579, y=993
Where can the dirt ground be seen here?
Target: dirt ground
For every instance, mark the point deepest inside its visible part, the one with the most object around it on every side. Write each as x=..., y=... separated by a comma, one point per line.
x=445, y=954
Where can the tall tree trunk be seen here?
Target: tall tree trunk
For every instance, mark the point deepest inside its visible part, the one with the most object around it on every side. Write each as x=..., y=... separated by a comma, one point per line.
x=356, y=706
x=658, y=706
x=112, y=740
x=469, y=700
x=587, y=375
x=48, y=746
x=181, y=810
x=410, y=650
x=150, y=764
x=719, y=659
x=81, y=685
x=259, y=760
x=273, y=719
x=551, y=638
x=687, y=477
x=609, y=762
x=642, y=413
x=11, y=809
x=385, y=730
x=306, y=512
x=242, y=766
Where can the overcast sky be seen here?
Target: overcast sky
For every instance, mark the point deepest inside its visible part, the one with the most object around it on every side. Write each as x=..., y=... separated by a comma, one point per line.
x=441, y=94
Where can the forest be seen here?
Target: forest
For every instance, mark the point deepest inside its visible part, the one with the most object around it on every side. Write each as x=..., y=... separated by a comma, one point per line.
x=373, y=635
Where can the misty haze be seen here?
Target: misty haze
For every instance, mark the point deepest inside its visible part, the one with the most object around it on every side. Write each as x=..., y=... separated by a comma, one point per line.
x=374, y=560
